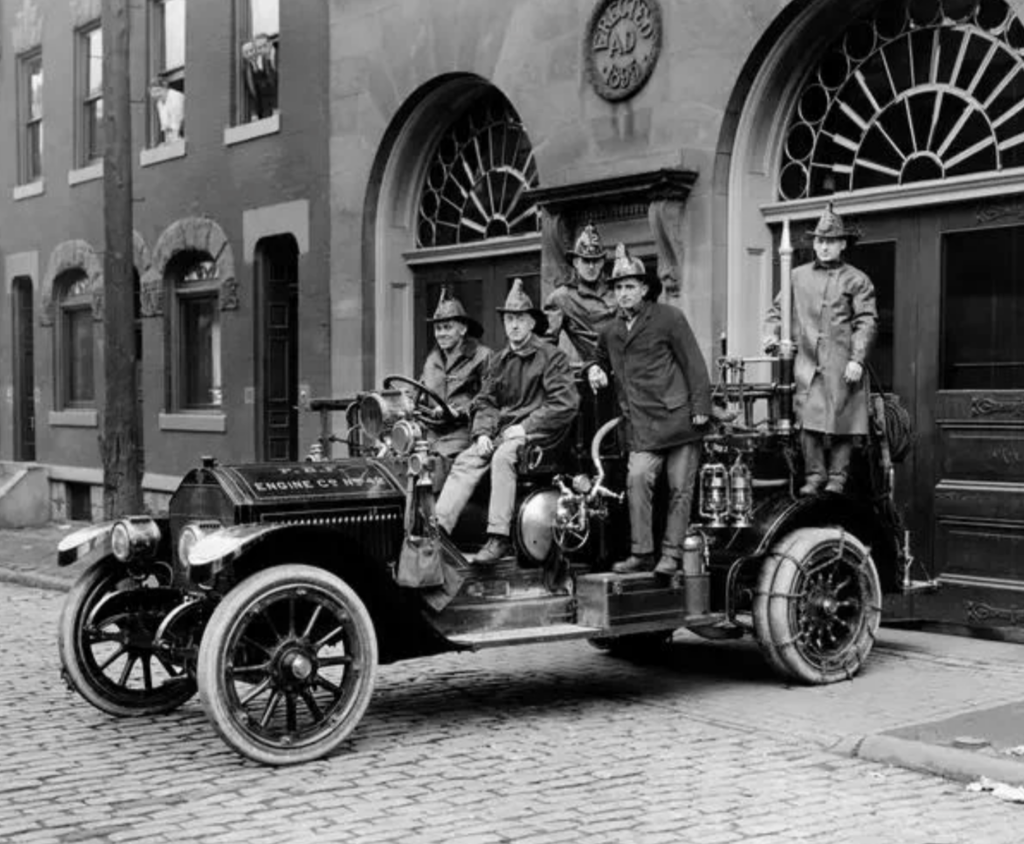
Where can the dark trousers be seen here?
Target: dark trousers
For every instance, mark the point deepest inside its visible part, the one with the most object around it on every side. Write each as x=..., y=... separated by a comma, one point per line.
x=840, y=448
x=680, y=464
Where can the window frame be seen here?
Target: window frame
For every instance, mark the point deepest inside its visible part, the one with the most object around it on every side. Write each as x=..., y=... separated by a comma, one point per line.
x=89, y=146
x=244, y=112
x=185, y=293
x=30, y=127
x=73, y=304
x=174, y=76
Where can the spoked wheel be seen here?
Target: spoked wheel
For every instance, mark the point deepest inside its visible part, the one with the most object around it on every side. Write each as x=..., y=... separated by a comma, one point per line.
x=818, y=605
x=287, y=665
x=107, y=642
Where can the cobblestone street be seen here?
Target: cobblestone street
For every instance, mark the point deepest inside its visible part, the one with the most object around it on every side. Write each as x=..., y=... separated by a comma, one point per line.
x=545, y=744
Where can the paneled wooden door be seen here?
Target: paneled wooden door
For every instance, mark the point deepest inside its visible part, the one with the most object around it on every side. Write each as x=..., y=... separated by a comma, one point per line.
x=481, y=285
x=278, y=266
x=959, y=365
x=24, y=371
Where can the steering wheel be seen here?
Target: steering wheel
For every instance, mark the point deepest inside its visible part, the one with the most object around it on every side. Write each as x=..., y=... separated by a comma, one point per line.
x=424, y=396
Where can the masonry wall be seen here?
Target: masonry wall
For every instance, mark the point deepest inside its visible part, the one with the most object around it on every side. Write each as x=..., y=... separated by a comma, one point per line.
x=272, y=183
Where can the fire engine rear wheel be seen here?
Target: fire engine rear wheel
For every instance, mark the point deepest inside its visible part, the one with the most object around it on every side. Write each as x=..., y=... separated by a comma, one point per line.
x=287, y=665
x=818, y=605
x=107, y=642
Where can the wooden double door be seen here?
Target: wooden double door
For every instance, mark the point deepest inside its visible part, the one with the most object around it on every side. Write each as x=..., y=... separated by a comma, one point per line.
x=950, y=284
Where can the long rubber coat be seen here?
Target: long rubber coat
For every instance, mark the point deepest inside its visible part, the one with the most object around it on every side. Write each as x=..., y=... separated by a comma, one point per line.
x=834, y=322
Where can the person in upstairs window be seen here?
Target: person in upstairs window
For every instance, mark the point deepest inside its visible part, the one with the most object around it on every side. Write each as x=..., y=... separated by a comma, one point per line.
x=454, y=370
x=528, y=396
x=583, y=304
x=170, y=109
x=259, y=69
x=665, y=394
x=834, y=325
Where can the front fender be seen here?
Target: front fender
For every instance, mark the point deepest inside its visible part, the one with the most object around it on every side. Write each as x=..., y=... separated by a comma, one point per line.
x=221, y=547
x=85, y=545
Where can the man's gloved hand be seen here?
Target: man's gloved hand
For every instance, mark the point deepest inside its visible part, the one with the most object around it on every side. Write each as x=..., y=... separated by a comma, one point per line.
x=597, y=378
x=853, y=372
x=699, y=419
x=771, y=345
x=485, y=445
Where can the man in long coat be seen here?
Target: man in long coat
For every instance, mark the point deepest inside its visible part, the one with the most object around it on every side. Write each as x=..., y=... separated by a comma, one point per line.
x=454, y=370
x=528, y=395
x=834, y=326
x=665, y=393
x=583, y=304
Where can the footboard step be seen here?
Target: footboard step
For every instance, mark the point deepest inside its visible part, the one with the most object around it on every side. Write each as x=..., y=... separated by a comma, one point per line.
x=524, y=636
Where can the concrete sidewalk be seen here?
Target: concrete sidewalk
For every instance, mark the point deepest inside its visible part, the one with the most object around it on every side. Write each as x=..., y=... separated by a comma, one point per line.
x=971, y=740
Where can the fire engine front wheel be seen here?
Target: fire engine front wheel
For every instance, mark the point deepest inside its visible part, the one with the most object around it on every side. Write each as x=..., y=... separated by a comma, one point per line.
x=818, y=605
x=287, y=665
x=108, y=646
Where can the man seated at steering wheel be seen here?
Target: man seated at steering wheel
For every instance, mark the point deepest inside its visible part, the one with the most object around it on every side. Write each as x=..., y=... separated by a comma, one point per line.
x=453, y=371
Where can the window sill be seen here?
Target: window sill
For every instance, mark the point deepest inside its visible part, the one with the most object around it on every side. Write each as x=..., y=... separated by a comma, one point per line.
x=256, y=129
x=31, y=189
x=164, y=152
x=209, y=422
x=89, y=173
x=79, y=418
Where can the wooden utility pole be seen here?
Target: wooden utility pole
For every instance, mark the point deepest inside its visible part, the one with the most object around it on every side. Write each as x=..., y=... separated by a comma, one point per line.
x=119, y=434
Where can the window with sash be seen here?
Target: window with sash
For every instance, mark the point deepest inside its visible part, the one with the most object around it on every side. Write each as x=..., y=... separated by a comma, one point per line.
x=195, y=332
x=30, y=113
x=167, y=71
x=90, y=69
x=75, y=379
x=258, y=33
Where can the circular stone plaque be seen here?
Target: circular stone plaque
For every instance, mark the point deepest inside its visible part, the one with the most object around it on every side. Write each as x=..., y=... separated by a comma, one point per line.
x=622, y=44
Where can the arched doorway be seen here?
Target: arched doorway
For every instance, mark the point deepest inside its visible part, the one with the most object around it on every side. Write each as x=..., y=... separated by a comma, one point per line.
x=911, y=119
x=452, y=211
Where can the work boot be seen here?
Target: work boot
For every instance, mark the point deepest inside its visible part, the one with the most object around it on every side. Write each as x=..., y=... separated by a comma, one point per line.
x=634, y=563
x=812, y=485
x=667, y=566
x=494, y=549
x=836, y=483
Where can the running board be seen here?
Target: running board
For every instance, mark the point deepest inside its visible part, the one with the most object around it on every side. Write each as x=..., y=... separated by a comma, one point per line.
x=524, y=636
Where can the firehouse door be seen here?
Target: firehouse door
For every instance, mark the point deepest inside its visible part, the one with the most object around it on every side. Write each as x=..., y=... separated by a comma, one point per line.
x=958, y=364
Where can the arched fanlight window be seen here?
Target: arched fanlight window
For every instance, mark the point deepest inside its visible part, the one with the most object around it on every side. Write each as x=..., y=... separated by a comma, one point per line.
x=918, y=90
x=475, y=184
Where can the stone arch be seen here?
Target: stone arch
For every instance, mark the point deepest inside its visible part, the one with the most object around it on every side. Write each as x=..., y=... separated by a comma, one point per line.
x=142, y=256
x=72, y=255
x=199, y=234
x=391, y=206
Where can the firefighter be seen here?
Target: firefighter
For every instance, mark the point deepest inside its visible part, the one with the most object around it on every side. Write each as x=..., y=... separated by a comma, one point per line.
x=834, y=325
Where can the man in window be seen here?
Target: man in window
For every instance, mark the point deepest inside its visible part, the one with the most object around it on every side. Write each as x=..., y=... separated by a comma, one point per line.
x=582, y=305
x=454, y=370
x=259, y=67
x=834, y=323
x=665, y=394
x=528, y=396
x=170, y=108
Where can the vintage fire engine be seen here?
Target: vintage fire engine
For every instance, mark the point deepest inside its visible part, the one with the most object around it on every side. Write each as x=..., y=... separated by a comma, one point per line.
x=271, y=588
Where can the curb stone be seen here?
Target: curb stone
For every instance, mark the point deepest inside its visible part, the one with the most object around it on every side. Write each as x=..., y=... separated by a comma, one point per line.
x=940, y=760
x=35, y=579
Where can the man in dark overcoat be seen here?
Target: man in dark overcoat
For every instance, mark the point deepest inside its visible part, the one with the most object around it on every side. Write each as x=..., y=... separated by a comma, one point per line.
x=834, y=326
x=528, y=395
x=584, y=303
x=454, y=370
x=665, y=394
